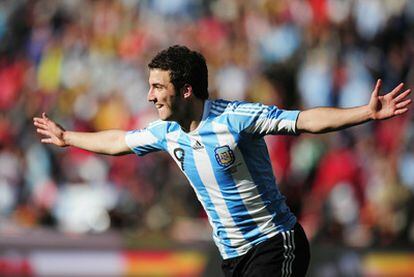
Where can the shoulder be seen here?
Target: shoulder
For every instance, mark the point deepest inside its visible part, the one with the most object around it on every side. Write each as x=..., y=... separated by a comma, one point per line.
x=156, y=128
x=162, y=125
x=237, y=115
x=218, y=106
x=223, y=107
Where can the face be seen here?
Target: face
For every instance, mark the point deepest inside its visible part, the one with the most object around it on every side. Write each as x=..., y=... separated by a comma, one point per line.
x=163, y=94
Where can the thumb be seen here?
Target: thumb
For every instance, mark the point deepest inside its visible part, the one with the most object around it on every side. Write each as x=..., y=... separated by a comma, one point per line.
x=377, y=88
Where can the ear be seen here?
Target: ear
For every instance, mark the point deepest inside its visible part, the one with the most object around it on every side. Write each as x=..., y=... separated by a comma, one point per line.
x=187, y=91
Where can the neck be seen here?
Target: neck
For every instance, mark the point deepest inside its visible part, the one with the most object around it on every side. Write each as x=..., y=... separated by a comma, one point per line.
x=192, y=116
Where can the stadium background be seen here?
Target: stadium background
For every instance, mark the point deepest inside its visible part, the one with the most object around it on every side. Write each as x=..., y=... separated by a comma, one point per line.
x=68, y=212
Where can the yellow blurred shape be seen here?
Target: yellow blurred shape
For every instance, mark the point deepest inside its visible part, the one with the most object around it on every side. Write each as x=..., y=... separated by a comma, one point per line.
x=389, y=264
x=48, y=77
x=165, y=263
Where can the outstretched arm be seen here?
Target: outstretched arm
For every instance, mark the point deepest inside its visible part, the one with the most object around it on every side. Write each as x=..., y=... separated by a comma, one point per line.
x=327, y=119
x=111, y=142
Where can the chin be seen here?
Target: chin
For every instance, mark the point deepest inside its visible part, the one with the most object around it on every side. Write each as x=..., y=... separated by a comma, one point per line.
x=165, y=117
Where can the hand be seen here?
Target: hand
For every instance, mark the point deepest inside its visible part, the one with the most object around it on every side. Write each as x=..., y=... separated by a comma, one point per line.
x=53, y=133
x=390, y=104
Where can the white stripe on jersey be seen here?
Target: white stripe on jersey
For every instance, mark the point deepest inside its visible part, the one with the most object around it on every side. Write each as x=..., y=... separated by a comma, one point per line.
x=216, y=112
x=245, y=186
x=206, y=173
x=239, y=112
x=219, y=206
x=214, y=106
x=238, y=105
x=265, y=125
x=155, y=123
x=172, y=143
x=145, y=138
x=242, y=113
x=247, y=109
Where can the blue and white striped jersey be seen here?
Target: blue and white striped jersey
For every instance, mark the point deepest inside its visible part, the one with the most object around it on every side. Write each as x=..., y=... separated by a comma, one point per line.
x=227, y=163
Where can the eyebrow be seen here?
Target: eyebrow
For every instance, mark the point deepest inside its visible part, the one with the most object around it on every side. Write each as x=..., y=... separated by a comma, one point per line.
x=157, y=85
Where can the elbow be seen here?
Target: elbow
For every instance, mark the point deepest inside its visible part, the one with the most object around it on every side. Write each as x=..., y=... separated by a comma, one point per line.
x=311, y=122
x=115, y=152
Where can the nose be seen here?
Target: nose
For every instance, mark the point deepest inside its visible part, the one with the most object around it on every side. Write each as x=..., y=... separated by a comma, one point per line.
x=150, y=95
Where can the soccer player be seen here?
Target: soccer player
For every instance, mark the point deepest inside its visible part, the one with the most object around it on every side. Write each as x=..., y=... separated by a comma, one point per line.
x=219, y=146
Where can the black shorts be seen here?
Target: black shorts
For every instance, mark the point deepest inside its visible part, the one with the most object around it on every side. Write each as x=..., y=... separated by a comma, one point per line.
x=286, y=254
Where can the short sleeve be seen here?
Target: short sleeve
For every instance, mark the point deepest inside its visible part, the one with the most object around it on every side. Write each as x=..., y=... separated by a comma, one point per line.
x=260, y=120
x=144, y=141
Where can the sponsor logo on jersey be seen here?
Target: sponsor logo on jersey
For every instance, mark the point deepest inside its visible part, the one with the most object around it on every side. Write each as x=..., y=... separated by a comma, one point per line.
x=197, y=145
x=224, y=155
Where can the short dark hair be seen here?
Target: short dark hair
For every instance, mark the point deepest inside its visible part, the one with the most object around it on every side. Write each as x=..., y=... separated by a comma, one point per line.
x=185, y=66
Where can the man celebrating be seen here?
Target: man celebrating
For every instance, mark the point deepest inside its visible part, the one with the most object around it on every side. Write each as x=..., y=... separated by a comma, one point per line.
x=219, y=146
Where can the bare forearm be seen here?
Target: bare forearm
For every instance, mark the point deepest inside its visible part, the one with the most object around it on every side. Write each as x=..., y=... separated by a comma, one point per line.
x=327, y=119
x=110, y=142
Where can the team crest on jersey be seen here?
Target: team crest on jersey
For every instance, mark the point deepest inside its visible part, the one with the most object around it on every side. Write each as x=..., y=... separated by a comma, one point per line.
x=224, y=155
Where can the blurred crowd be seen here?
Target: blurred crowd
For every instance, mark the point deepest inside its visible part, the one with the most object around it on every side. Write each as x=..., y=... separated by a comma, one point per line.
x=85, y=64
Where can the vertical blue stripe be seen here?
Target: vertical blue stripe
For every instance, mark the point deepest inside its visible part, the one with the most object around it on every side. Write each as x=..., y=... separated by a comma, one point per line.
x=257, y=160
x=228, y=189
x=192, y=173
